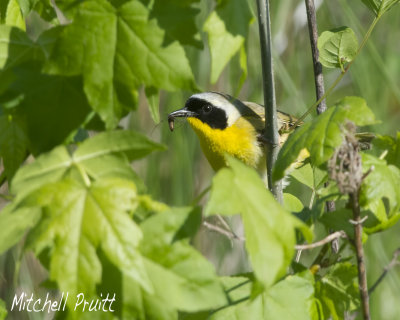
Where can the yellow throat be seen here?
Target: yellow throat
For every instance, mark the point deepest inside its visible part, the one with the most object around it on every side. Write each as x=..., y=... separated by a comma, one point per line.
x=239, y=140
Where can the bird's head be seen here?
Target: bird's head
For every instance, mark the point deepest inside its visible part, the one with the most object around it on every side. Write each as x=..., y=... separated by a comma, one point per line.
x=217, y=110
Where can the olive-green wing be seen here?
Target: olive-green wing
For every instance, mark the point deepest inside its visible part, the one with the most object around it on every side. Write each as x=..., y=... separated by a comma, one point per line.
x=255, y=113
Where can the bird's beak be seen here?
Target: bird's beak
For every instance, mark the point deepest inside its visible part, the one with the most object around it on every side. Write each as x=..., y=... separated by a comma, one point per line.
x=181, y=113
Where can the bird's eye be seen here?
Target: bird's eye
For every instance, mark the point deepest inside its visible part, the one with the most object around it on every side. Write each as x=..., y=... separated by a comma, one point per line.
x=207, y=108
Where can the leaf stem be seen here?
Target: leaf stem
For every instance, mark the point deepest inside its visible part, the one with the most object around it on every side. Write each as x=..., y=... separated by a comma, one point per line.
x=271, y=133
x=230, y=304
x=84, y=175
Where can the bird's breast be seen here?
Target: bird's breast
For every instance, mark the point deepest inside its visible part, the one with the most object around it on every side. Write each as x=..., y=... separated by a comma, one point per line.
x=238, y=140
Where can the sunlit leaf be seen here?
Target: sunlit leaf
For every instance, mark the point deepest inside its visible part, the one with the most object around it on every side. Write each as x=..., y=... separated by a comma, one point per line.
x=67, y=227
x=337, y=47
x=379, y=7
x=304, y=175
x=98, y=156
x=391, y=145
x=338, y=291
x=17, y=222
x=43, y=7
x=173, y=264
x=323, y=134
x=378, y=217
x=153, y=100
x=3, y=310
x=292, y=203
x=227, y=28
x=14, y=15
x=267, y=224
x=118, y=46
x=382, y=182
x=48, y=168
x=291, y=298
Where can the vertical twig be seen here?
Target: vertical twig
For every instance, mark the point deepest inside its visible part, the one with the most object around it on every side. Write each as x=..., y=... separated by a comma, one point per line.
x=345, y=168
x=319, y=82
x=362, y=274
x=271, y=133
x=318, y=76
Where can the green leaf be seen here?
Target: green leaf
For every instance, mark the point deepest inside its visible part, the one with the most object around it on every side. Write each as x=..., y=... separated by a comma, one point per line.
x=131, y=143
x=137, y=304
x=382, y=182
x=304, y=175
x=153, y=99
x=14, y=15
x=17, y=222
x=105, y=154
x=309, y=176
x=298, y=296
x=237, y=288
x=13, y=144
x=378, y=218
x=47, y=168
x=3, y=310
x=243, y=67
x=337, y=291
x=173, y=264
x=267, y=224
x=67, y=227
x=339, y=220
x=118, y=46
x=227, y=28
x=379, y=7
x=291, y=298
x=390, y=145
x=53, y=104
x=178, y=20
x=43, y=7
x=292, y=203
x=15, y=47
x=322, y=135
x=337, y=47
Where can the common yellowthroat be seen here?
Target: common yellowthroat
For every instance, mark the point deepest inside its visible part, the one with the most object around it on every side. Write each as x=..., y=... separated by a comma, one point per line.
x=225, y=125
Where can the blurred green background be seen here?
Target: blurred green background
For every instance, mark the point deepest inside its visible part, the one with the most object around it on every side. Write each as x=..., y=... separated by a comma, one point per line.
x=180, y=174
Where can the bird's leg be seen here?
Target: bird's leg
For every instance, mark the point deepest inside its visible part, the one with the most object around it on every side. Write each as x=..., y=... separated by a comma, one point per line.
x=264, y=141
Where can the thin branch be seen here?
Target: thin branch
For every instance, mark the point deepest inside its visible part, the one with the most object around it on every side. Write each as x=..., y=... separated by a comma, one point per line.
x=222, y=231
x=362, y=274
x=394, y=262
x=335, y=83
x=333, y=236
x=319, y=85
x=318, y=76
x=271, y=133
x=229, y=234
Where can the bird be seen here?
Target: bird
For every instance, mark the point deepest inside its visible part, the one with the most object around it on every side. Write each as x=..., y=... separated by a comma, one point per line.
x=226, y=125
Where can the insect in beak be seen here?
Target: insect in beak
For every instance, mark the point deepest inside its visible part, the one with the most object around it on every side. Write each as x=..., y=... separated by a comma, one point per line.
x=181, y=113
